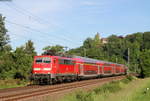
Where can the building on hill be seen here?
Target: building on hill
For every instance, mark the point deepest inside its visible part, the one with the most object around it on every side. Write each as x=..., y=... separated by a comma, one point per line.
x=104, y=40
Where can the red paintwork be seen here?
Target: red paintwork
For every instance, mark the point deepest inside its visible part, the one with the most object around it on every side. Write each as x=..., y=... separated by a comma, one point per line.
x=41, y=66
x=80, y=67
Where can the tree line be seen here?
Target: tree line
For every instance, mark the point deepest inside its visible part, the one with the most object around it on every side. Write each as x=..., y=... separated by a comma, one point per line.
x=15, y=64
x=132, y=50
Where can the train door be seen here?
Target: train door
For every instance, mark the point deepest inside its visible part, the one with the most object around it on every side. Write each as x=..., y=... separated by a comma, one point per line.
x=55, y=65
x=98, y=72
x=113, y=69
x=81, y=69
x=102, y=70
x=77, y=70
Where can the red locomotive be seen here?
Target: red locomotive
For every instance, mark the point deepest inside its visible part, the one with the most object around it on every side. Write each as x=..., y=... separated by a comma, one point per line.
x=51, y=69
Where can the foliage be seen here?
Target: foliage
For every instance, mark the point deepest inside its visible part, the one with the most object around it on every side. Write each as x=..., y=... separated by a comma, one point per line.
x=145, y=63
x=53, y=50
x=143, y=94
x=23, y=63
x=9, y=83
x=14, y=64
x=118, y=49
x=29, y=48
x=81, y=96
x=17, y=63
x=103, y=90
x=4, y=38
x=146, y=40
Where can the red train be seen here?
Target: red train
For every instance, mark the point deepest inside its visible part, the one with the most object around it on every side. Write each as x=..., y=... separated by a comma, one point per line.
x=51, y=69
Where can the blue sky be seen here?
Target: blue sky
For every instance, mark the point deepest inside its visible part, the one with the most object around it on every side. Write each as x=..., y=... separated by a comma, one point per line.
x=70, y=22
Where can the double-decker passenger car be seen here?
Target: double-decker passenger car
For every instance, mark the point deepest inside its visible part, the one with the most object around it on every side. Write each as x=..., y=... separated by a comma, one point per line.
x=51, y=69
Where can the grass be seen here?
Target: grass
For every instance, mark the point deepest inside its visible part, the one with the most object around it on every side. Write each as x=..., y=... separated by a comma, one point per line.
x=142, y=93
x=101, y=93
x=12, y=83
x=132, y=92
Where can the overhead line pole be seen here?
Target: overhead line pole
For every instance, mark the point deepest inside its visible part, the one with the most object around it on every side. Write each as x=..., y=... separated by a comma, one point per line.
x=128, y=57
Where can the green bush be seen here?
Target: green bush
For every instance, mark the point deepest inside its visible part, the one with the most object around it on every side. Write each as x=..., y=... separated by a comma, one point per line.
x=110, y=87
x=8, y=83
x=145, y=63
x=82, y=96
x=128, y=79
x=104, y=90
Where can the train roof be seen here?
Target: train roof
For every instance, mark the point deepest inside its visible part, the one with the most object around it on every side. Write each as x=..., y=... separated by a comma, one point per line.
x=67, y=58
x=85, y=59
x=80, y=58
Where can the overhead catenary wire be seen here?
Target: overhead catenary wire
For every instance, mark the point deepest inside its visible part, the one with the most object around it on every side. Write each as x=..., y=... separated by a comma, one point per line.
x=35, y=30
x=34, y=40
x=40, y=37
x=39, y=20
x=24, y=36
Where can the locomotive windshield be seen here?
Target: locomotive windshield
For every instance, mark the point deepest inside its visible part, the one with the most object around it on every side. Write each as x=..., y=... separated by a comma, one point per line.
x=43, y=60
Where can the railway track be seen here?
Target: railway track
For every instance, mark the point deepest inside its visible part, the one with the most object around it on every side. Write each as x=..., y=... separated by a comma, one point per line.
x=18, y=88
x=28, y=92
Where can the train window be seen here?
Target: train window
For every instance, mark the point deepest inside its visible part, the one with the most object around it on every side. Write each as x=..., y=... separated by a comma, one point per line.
x=46, y=60
x=43, y=60
x=88, y=63
x=38, y=60
x=68, y=62
x=61, y=61
x=73, y=62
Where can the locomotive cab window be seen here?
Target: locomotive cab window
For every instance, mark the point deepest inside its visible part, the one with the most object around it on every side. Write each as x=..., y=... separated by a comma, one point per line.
x=38, y=60
x=46, y=60
x=43, y=60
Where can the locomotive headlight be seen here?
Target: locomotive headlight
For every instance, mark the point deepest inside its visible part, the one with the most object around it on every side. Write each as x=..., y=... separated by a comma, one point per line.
x=37, y=69
x=47, y=69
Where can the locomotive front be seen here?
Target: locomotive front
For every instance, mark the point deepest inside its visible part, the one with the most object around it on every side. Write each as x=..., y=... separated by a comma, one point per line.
x=41, y=69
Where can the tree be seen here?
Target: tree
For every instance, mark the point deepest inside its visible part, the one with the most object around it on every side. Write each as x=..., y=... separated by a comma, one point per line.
x=146, y=40
x=23, y=63
x=135, y=43
x=4, y=38
x=88, y=43
x=97, y=41
x=115, y=49
x=54, y=50
x=7, y=66
x=145, y=63
x=77, y=51
x=23, y=57
x=92, y=47
x=29, y=48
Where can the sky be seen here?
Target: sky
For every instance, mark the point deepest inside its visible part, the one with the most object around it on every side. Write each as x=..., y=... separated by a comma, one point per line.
x=70, y=22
